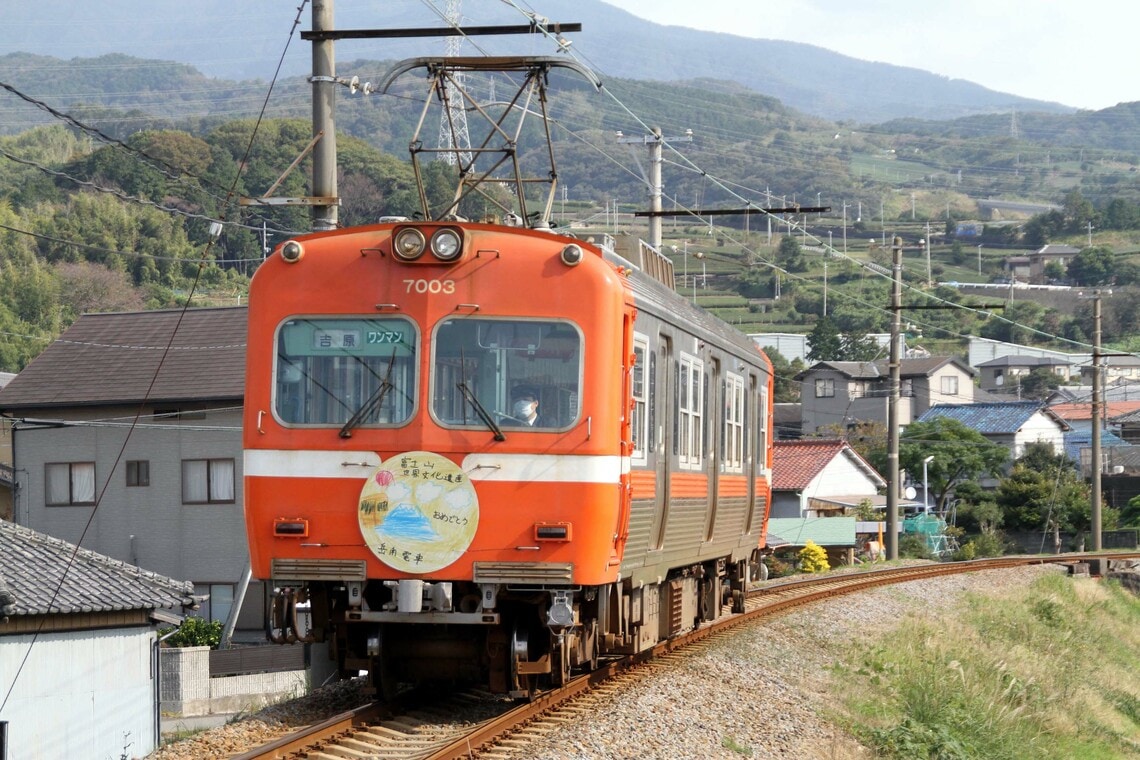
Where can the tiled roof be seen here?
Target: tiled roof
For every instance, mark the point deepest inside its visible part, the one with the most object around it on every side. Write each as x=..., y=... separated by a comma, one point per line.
x=796, y=463
x=1081, y=412
x=1075, y=440
x=32, y=564
x=824, y=531
x=920, y=367
x=1015, y=360
x=988, y=419
x=113, y=358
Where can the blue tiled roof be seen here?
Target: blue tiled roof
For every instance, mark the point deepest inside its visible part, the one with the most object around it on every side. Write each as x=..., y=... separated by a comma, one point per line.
x=987, y=419
x=1075, y=440
x=41, y=575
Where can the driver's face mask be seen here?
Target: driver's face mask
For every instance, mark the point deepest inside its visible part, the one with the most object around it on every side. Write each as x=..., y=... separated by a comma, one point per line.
x=524, y=408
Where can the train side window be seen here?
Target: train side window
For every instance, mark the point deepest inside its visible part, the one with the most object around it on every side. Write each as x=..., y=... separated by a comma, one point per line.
x=690, y=411
x=331, y=370
x=639, y=390
x=733, y=451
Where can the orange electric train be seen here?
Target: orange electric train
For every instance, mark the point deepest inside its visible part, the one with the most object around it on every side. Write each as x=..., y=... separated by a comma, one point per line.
x=494, y=452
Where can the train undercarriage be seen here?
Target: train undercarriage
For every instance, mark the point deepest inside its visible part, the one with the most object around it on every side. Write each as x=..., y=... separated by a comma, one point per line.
x=517, y=640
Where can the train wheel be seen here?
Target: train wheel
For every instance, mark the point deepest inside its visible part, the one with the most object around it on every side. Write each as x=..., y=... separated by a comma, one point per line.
x=380, y=673
x=522, y=684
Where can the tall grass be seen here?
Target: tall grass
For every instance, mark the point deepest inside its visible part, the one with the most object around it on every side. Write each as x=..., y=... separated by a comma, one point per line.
x=1052, y=673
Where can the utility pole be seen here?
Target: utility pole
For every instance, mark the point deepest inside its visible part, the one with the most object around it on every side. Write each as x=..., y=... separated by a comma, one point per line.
x=1095, y=424
x=893, y=404
x=655, y=140
x=325, y=217
x=979, y=258
x=845, y=227
x=929, y=279
x=1090, y=234
x=825, y=288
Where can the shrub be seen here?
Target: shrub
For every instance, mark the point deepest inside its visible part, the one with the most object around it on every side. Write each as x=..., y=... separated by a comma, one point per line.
x=195, y=632
x=813, y=558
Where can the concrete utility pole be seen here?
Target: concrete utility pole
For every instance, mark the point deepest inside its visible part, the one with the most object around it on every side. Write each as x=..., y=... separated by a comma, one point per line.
x=324, y=117
x=893, y=404
x=1095, y=425
x=655, y=140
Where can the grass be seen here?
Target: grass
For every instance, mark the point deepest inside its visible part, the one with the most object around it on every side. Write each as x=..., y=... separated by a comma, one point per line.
x=1048, y=674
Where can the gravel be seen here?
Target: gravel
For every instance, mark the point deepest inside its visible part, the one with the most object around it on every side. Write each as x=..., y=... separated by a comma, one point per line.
x=762, y=692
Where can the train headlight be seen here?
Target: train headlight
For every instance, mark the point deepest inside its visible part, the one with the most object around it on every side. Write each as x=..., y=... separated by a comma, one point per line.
x=571, y=255
x=446, y=244
x=292, y=252
x=409, y=244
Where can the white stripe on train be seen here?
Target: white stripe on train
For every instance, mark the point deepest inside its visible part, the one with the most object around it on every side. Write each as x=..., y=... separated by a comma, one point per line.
x=542, y=468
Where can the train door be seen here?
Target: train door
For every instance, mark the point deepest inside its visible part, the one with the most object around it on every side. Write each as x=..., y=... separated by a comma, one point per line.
x=748, y=460
x=714, y=422
x=663, y=397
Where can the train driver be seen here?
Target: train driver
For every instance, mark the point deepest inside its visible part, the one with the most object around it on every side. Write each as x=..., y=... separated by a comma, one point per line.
x=524, y=405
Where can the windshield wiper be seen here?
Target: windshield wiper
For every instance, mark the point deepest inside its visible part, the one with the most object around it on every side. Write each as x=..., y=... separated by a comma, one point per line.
x=481, y=411
x=372, y=403
x=369, y=406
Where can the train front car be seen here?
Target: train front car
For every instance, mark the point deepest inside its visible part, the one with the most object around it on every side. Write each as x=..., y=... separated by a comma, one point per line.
x=434, y=448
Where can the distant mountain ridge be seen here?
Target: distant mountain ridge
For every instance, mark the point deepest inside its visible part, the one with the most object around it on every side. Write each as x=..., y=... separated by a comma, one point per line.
x=244, y=42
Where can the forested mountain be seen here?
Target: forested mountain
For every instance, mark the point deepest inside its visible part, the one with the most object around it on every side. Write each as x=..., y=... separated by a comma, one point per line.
x=245, y=41
x=108, y=202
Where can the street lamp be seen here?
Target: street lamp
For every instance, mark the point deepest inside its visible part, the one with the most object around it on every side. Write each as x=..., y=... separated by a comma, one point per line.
x=926, y=485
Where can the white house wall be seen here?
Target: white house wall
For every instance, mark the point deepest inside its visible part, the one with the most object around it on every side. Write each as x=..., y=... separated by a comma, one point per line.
x=86, y=694
x=841, y=477
x=1039, y=428
x=203, y=543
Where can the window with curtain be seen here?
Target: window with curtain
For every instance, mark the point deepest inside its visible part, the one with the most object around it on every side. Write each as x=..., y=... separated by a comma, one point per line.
x=207, y=481
x=69, y=484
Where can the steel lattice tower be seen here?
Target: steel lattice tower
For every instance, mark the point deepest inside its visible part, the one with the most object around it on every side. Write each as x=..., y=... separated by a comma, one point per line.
x=453, y=119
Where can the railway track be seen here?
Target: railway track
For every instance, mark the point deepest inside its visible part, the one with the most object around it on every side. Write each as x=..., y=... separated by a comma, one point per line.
x=427, y=730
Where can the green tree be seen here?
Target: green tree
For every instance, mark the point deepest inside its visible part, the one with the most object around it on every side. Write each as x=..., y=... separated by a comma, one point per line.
x=1044, y=492
x=824, y=341
x=1038, y=383
x=1095, y=265
x=787, y=387
x=960, y=454
x=790, y=255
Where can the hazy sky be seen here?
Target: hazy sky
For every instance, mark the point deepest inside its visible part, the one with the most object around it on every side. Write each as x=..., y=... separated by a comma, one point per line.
x=1082, y=54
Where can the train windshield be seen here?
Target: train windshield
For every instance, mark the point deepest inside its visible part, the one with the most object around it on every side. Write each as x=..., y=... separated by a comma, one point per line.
x=520, y=373
x=345, y=372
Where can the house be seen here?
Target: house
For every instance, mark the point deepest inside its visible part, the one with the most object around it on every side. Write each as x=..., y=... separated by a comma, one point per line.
x=1017, y=268
x=1120, y=390
x=1114, y=368
x=1079, y=415
x=817, y=477
x=981, y=350
x=126, y=435
x=1012, y=424
x=1053, y=253
x=835, y=395
x=78, y=649
x=1004, y=374
x=786, y=418
x=6, y=472
x=1129, y=426
x=1115, y=452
